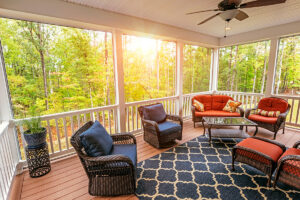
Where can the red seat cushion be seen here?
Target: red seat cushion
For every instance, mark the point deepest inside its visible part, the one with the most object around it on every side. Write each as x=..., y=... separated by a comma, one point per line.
x=273, y=104
x=260, y=118
x=292, y=166
x=269, y=149
x=219, y=101
x=217, y=113
x=205, y=100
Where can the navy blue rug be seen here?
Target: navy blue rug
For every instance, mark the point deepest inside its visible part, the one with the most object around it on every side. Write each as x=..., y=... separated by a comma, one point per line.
x=198, y=170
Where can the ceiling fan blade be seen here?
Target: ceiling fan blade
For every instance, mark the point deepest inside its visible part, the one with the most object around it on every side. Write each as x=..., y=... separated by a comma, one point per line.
x=202, y=11
x=209, y=19
x=259, y=3
x=241, y=15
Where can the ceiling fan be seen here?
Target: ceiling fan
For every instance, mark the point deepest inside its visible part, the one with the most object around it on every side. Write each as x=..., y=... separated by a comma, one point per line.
x=230, y=9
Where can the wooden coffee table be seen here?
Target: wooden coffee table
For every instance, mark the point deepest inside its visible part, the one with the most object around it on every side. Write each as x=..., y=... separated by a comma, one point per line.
x=217, y=122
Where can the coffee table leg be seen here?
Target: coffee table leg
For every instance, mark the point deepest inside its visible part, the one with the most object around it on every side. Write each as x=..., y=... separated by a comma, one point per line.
x=209, y=132
x=256, y=129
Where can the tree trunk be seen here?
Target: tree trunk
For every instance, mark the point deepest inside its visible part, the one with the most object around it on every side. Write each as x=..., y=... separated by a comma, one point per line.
x=44, y=78
x=280, y=66
x=229, y=68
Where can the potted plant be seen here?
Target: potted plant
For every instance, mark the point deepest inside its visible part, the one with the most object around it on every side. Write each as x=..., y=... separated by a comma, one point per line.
x=35, y=134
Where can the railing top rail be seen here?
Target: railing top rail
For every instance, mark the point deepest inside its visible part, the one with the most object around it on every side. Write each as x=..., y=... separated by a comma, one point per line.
x=71, y=113
x=3, y=126
x=197, y=93
x=150, y=101
x=286, y=96
x=243, y=93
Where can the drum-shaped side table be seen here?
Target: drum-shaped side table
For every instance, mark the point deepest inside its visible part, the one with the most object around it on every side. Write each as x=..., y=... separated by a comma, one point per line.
x=38, y=160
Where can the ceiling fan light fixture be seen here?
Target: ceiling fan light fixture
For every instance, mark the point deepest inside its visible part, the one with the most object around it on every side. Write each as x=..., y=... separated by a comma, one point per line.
x=229, y=14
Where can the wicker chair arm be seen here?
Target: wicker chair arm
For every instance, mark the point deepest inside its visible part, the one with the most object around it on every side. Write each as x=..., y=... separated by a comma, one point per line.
x=247, y=113
x=241, y=110
x=124, y=138
x=282, y=117
x=175, y=118
x=151, y=124
x=271, y=141
x=297, y=144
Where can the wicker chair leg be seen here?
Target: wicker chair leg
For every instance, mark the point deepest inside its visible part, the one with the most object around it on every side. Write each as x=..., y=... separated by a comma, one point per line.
x=269, y=180
x=283, y=130
x=274, y=138
x=246, y=128
x=203, y=127
x=194, y=124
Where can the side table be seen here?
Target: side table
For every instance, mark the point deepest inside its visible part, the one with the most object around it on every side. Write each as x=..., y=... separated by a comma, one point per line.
x=38, y=160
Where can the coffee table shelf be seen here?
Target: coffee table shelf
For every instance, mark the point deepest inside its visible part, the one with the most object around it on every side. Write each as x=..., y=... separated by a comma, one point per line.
x=217, y=122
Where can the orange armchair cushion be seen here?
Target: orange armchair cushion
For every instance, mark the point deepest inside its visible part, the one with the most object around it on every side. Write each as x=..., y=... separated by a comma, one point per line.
x=292, y=166
x=260, y=118
x=273, y=104
x=269, y=149
x=217, y=113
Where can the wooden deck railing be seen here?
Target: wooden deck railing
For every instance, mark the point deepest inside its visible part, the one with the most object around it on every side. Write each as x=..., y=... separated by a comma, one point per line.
x=9, y=158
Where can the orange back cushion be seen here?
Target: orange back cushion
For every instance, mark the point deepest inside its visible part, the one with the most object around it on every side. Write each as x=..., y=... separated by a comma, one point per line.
x=219, y=101
x=205, y=100
x=273, y=104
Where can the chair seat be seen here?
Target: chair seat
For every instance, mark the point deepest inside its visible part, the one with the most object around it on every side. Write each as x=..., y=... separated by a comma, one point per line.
x=128, y=150
x=216, y=113
x=260, y=118
x=266, y=148
x=168, y=127
x=291, y=166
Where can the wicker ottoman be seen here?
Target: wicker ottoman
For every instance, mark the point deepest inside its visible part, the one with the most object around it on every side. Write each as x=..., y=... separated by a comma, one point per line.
x=260, y=153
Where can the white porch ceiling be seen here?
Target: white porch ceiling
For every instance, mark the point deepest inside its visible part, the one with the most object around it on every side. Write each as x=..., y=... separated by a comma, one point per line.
x=172, y=12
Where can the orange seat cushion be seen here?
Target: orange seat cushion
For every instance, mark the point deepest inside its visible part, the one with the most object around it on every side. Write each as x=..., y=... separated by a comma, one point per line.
x=205, y=100
x=292, y=166
x=273, y=104
x=269, y=149
x=260, y=118
x=217, y=113
x=219, y=101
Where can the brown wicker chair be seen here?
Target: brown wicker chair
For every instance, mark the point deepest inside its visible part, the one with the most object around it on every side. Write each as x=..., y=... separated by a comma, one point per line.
x=279, y=122
x=152, y=133
x=109, y=175
x=242, y=152
x=288, y=168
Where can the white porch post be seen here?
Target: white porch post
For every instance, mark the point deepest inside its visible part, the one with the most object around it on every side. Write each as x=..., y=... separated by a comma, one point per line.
x=272, y=66
x=5, y=107
x=179, y=77
x=119, y=79
x=214, y=70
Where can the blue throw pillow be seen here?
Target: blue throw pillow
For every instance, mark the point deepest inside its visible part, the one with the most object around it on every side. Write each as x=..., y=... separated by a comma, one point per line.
x=96, y=141
x=155, y=113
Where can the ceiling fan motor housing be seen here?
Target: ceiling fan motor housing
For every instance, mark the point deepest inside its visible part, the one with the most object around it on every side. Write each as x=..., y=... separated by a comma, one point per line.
x=224, y=5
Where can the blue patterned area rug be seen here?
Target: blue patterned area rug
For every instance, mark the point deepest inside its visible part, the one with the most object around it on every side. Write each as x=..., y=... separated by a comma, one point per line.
x=198, y=170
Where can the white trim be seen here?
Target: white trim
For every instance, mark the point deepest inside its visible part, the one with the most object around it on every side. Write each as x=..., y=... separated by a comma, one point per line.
x=272, y=66
x=179, y=76
x=214, y=70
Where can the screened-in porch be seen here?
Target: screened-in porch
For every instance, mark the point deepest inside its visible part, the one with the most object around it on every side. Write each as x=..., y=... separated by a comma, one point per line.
x=69, y=62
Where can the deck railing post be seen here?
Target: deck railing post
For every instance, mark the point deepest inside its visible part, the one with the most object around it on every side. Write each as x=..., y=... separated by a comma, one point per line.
x=214, y=70
x=119, y=79
x=179, y=77
x=272, y=67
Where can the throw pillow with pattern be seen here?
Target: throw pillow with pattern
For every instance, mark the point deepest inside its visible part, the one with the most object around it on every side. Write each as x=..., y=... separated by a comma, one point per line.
x=231, y=106
x=199, y=106
x=267, y=113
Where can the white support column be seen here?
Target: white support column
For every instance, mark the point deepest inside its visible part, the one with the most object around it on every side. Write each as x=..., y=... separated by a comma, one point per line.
x=214, y=70
x=272, y=67
x=179, y=76
x=119, y=79
x=5, y=107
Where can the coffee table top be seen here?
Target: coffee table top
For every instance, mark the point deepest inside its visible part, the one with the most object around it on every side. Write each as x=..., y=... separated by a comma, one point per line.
x=229, y=121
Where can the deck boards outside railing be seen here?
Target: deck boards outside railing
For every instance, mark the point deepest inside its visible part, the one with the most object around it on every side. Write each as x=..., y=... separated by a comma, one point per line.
x=9, y=158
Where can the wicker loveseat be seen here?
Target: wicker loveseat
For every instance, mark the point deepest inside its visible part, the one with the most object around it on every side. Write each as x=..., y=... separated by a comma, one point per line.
x=273, y=124
x=213, y=107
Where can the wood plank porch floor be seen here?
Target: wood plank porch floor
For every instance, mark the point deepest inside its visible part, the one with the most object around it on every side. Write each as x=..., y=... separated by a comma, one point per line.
x=67, y=179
